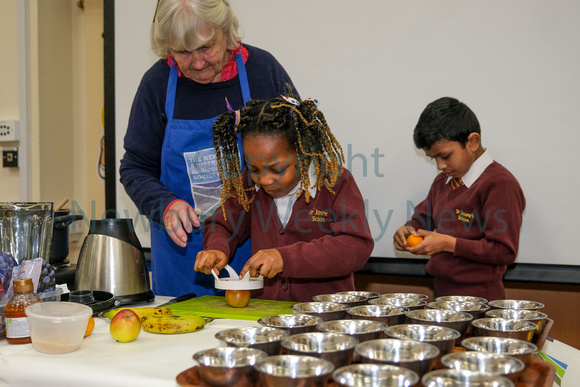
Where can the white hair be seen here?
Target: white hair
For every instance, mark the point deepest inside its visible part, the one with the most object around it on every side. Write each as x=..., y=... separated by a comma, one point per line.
x=183, y=25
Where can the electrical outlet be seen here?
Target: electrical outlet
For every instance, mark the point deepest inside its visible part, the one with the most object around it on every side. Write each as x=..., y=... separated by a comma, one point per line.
x=10, y=158
x=8, y=130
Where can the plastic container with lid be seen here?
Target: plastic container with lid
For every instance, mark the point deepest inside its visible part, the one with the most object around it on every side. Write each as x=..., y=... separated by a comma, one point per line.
x=17, y=330
x=57, y=327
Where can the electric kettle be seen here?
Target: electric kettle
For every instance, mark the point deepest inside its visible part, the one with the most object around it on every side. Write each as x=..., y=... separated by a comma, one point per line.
x=112, y=260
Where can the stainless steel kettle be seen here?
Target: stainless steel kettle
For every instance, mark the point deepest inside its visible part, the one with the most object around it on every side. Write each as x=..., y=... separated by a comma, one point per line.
x=111, y=260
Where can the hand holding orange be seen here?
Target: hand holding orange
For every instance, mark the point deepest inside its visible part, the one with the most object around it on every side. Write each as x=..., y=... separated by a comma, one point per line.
x=413, y=240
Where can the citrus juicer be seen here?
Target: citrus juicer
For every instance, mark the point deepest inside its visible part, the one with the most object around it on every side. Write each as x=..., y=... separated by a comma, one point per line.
x=233, y=282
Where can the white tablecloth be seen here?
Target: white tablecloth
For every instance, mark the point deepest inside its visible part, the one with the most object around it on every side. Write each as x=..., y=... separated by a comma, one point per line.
x=151, y=360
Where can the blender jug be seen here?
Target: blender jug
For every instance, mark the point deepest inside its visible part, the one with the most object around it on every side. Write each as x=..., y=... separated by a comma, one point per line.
x=26, y=230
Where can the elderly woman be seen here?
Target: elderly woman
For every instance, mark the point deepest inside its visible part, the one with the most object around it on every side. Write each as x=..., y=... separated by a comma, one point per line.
x=169, y=168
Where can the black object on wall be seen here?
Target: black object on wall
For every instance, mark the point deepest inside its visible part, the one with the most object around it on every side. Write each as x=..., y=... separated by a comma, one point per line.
x=110, y=164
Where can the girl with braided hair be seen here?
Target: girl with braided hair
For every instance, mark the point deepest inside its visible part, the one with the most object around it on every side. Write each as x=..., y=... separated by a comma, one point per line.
x=302, y=209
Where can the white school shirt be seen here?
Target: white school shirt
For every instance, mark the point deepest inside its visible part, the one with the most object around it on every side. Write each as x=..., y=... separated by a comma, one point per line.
x=476, y=169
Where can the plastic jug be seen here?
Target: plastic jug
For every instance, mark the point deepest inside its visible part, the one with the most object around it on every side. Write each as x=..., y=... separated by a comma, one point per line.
x=26, y=230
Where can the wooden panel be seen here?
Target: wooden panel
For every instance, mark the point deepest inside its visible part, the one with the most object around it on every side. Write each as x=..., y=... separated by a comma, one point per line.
x=562, y=305
x=562, y=301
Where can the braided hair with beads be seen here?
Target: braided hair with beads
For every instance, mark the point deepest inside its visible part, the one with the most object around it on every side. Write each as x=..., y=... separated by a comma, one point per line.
x=303, y=126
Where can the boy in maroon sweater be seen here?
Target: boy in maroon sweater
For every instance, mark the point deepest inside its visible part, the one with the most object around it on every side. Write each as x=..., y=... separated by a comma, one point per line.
x=302, y=209
x=472, y=216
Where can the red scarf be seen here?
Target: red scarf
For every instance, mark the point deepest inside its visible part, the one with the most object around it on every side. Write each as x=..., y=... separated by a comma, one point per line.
x=230, y=70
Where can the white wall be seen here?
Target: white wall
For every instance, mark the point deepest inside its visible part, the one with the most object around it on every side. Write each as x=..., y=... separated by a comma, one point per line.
x=9, y=104
x=58, y=101
x=374, y=65
x=132, y=24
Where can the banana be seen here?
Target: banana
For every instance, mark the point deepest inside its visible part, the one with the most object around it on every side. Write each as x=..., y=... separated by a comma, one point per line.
x=166, y=324
x=141, y=311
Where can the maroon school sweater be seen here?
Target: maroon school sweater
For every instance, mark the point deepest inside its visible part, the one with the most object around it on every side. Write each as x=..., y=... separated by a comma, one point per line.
x=486, y=219
x=324, y=242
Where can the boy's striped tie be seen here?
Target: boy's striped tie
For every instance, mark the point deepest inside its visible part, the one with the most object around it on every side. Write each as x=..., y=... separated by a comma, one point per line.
x=456, y=183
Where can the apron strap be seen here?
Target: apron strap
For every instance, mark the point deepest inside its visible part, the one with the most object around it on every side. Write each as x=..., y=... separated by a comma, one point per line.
x=171, y=90
x=243, y=78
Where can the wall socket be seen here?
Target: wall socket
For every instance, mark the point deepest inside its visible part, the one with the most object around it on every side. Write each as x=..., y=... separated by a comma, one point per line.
x=8, y=130
x=10, y=157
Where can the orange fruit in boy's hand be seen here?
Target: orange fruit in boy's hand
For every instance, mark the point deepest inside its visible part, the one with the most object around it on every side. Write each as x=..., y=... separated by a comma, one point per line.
x=414, y=240
x=90, y=326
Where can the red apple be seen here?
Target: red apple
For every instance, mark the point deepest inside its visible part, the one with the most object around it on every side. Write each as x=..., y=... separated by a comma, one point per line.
x=238, y=298
x=125, y=326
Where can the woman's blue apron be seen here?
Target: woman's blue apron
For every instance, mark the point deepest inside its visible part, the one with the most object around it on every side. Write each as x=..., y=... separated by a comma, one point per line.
x=189, y=169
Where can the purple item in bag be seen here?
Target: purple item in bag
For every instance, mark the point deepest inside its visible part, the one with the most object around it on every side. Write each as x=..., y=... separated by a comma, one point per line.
x=7, y=262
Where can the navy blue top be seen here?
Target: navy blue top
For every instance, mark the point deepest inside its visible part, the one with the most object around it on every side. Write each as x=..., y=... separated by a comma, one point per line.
x=140, y=166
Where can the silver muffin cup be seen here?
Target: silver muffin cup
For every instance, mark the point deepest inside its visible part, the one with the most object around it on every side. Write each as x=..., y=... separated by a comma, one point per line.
x=417, y=356
x=293, y=370
x=374, y=375
x=463, y=378
x=266, y=339
x=334, y=347
x=292, y=323
x=519, y=349
x=229, y=366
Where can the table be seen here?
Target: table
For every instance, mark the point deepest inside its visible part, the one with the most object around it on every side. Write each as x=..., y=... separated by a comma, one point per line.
x=151, y=360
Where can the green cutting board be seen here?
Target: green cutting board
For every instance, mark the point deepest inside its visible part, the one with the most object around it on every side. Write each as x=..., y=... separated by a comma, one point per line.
x=215, y=306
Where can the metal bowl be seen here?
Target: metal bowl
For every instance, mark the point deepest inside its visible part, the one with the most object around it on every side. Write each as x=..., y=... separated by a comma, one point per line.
x=516, y=304
x=363, y=330
x=445, y=318
x=499, y=327
x=489, y=363
x=374, y=375
x=457, y=378
x=265, y=338
x=414, y=355
x=226, y=366
x=346, y=299
x=417, y=296
x=519, y=349
x=368, y=295
x=441, y=337
x=410, y=303
x=538, y=318
x=292, y=323
x=324, y=310
x=292, y=370
x=479, y=300
x=477, y=310
x=390, y=315
x=335, y=347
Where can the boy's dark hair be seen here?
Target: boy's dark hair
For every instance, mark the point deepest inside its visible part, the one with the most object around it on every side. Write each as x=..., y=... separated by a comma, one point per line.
x=299, y=122
x=445, y=119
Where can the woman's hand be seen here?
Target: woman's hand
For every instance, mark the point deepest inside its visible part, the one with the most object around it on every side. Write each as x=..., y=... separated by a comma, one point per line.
x=179, y=219
x=266, y=263
x=400, y=237
x=206, y=260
